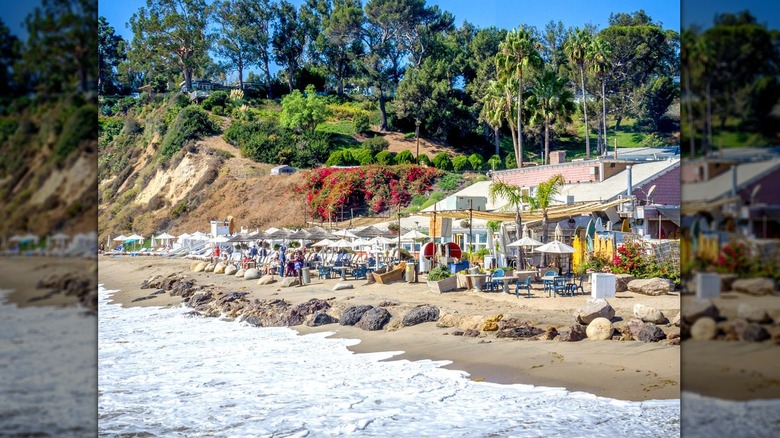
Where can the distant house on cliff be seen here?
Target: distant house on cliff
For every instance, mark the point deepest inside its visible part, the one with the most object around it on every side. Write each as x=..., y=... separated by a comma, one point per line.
x=283, y=170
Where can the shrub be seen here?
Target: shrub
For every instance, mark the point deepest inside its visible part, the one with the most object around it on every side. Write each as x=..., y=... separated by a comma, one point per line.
x=216, y=98
x=384, y=158
x=476, y=161
x=376, y=144
x=192, y=122
x=218, y=110
x=339, y=158
x=439, y=272
x=405, y=157
x=82, y=125
x=363, y=157
x=495, y=162
x=361, y=122
x=460, y=163
x=434, y=198
x=450, y=181
x=179, y=209
x=425, y=159
x=442, y=161
x=510, y=162
x=131, y=126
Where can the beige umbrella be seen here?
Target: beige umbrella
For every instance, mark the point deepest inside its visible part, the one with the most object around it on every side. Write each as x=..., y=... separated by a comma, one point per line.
x=555, y=247
x=342, y=243
x=525, y=241
x=323, y=242
x=344, y=233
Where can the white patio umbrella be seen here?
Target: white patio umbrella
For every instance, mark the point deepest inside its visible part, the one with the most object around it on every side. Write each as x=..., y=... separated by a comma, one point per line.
x=361, y=242
x=555, y=247
x=379, y=240
x=220, y=239
x=342, y=243
x=323, y=242
x=120, y=238
x=414, y=234
x=525, y=241
x=135, y=239
x=344, y=233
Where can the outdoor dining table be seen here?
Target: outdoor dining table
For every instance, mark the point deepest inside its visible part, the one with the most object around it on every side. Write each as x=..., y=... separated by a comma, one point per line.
x=505, y=281
x=548, y=280
x=474, y=284
x=343, y=270
x=525, y=273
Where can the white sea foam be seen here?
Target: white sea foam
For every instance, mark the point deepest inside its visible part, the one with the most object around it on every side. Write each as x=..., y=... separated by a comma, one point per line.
x=708, y=417
x=47, y=371
x=166, y=374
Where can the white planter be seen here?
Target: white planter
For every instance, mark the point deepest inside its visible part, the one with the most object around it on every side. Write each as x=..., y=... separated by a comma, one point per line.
x=446, y=285
x=707, y=285
x=602, y=285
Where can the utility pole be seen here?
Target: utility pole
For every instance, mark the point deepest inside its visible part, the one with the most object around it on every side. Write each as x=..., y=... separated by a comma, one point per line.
x=417, y=135
x=471, y=234
x=399, y=233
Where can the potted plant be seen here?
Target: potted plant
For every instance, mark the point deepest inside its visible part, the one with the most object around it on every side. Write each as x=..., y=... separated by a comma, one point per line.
x=440, y=279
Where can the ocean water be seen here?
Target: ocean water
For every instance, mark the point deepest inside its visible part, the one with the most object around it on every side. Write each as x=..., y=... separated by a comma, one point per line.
x=48, y=374
x=708, y=417
x=166, y=374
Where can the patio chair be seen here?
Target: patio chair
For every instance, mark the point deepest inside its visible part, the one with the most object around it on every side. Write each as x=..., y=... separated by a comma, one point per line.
x=548, y=283
x=494, y=285
x=324, y=272
x=359, y=272
x=574, y=287
x=559, y=285
x=523, y=285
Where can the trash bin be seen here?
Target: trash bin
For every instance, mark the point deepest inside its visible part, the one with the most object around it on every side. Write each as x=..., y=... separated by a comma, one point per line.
x=305, y=275
x=411, y=273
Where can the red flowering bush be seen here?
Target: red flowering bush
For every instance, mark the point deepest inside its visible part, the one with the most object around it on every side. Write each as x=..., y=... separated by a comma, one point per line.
x=735, y=258
x=375, y=188
x=630, y=259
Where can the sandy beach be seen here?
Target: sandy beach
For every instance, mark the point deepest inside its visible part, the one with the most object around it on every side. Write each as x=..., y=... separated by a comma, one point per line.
x=22, y=274
x=627, y=370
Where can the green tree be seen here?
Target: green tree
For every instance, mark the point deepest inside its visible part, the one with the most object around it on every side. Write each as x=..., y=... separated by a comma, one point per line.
x=111, y=52
x=171, y=32
x=385, y=158
x=289, y=39
x=600, y=55
x=543, y=197
x=476, y=161
x=258, y=16
x=442, y=161
x=237, y=40
x=549, y=101
x=460, y=163
x=10, y=53
x=659, y=94
x=517, y=56
x=340, y=40
x=303, y=113
x=405, y=157
x=576, y=48
x=515, y=199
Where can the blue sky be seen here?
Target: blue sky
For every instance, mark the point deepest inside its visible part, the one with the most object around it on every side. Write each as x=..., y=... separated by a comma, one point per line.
x=702, y=12
x=14, y=16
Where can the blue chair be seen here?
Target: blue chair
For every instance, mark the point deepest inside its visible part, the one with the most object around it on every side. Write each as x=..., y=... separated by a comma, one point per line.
x=548, y=283
x=574, y=287
x=559, y=285
x=323, y=271
x=523, y=285
x=359, y=272
x=494, y=285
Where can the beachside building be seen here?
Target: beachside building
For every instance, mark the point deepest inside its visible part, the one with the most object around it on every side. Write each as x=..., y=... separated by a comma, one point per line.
x=283, y=170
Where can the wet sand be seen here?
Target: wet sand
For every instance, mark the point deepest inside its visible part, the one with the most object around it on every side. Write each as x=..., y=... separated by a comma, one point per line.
x=21, y=274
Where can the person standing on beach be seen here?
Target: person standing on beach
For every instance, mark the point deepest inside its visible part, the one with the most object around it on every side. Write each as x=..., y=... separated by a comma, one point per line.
x=282, y=260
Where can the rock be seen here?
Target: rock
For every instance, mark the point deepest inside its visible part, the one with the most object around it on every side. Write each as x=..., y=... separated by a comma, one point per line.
x=491, y=323
x=600, y=329
x=421, y=314
x=755, y=333
x=342, y=286
x=456, y=333
x=321, y=318
x=651, y=286
x=152, y=282
x=699, y=308
x=573, y=334
x=522, y=331
x=296, y=315
x=240, y=273
x=252, y=274
x=754, y=286
x=387, y=303
x=465, y=322
x=471, y=333
x=200, y=299
x=595, y=308
x=704, y=329
x=551, y=333
x=289, y=281
x=352, y=314
x=219, y=268
x=209, y=267
x=727, y=282
x=648, y=314
x=753, y=314
x=734, y=329
x=148, y=297
x=184, y=288
x=374, y=319
x=231, y=270
x=621, y=282
x=193, y=265
x=651, y=333
x=200, y=267
x=634, y=326
x=676, y=320
x=266, y=279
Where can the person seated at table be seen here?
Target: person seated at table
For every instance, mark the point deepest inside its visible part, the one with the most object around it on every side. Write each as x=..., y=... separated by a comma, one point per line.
x=370, y=261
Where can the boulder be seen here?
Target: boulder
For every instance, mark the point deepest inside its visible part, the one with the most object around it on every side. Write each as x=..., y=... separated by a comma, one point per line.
x=209, y=267
x=297, y=314
x=219, y=268
x=521, y=331
x=289, y=281
x=573, y=334
x=704, y=329
x=651, y=286
x=621, y=282
x=551, y=333
x=374, y=319
x=321, y=318
x=200, y=267
x=651, y=333
x=231, y=270
x=734, y=329
x=676, y=320
x=252, y=274
x=465, y=322
x=634, y=326
x=342, y=286
x=240, y=273
x=152, y=282
x=699, y=308
x=200, y=299
x=421, y=314
x=595, y=308
x=727, y=282
x=194, y=264
x=183, y=288
x=755, y=333
x=491, y=323
x=471, y=333
x=266, y=279
x=753, y=314
x=648, y=314
x=754, y=286
x=600, y=329
x=352, y=314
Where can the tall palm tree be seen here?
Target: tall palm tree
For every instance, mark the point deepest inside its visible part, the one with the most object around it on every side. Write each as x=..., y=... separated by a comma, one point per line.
x=494, y=110
x=550, y=100
x=600, y=55
x=576, y=49
x=687, y=60
x=515, y=199
x=545, y=193
x=516, y=56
